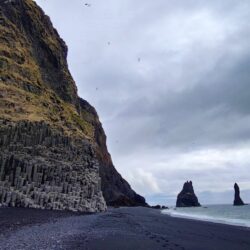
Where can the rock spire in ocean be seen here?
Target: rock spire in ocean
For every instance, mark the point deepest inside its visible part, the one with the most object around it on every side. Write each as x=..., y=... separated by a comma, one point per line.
x=187, y=197
x=237, y=200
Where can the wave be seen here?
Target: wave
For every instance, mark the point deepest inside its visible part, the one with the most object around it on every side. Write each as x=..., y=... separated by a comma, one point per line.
x=195, y=214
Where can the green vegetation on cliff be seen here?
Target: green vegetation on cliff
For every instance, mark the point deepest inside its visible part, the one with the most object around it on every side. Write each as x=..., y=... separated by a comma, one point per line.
x=36, y=86
x=29, y=52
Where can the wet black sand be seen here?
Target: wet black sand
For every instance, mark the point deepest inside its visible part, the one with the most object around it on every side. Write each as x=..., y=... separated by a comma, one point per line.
x=118, y=229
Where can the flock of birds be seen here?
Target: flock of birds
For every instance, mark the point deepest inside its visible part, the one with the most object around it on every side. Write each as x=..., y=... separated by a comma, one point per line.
x=109, y=43
x=88, y=5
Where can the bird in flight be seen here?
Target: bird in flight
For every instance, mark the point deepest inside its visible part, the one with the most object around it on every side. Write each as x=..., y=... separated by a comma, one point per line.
x=87, y=4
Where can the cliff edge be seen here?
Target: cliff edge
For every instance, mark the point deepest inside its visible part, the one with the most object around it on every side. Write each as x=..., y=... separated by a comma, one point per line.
x=53, y=147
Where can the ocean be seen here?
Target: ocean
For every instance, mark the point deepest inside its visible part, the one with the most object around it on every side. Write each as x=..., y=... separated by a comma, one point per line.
x=226, y=214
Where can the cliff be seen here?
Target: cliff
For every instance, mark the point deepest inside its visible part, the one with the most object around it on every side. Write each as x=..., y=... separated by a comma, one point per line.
x=237, y=200
x=53, y=147
x=187, y=197
x=41, y=168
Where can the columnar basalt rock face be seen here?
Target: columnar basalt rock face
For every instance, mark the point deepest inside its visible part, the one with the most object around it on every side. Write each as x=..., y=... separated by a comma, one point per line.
x=40, y=168
x=237, y=200
x=36, y=86
x=187, y=197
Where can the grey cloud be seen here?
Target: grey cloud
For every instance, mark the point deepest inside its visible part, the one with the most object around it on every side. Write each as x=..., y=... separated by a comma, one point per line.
x=214, y=112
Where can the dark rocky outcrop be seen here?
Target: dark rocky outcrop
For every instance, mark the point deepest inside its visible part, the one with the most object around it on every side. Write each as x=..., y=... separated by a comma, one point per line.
x=41, y=168
x=67, y=143
x=164, y=207
x=159, y=207
x=187, y=197
x=156, y=207
x=237, y=200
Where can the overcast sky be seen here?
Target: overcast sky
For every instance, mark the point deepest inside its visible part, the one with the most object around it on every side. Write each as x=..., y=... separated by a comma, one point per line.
x=170, y=80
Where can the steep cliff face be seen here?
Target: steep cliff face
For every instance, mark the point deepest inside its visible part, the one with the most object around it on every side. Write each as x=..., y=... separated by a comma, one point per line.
x=37, y=92
x=41, y=168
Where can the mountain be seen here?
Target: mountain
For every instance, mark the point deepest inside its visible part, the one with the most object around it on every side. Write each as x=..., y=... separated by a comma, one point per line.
x=53, y=147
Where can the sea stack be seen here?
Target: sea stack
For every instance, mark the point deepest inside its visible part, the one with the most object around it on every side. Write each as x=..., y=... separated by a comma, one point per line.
x=187, y=197
x=237, y=200
x=53, y=152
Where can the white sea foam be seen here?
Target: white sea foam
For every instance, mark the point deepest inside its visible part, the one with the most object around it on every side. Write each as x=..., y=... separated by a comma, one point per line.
x=226, y=214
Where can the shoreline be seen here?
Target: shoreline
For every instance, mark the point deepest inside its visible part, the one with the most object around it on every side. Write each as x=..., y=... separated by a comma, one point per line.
x=121, y=228
x=208, y=219
x=213, y=216
x=220, y=222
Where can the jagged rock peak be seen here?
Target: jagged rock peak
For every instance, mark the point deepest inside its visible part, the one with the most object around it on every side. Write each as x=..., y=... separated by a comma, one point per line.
x=237, y=199
x=187, y=197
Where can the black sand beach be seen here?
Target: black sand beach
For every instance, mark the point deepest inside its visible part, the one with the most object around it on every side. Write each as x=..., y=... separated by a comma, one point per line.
x=118, y=229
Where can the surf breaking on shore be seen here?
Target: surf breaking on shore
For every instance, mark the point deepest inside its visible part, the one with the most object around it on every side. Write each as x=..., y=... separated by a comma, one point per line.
x=224, y=214
x=122, y=228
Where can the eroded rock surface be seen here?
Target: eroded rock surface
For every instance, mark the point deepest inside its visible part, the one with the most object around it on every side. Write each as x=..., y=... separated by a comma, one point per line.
x=187, y=197
x=237, y=199
x=36, y=85
x=40, y=168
